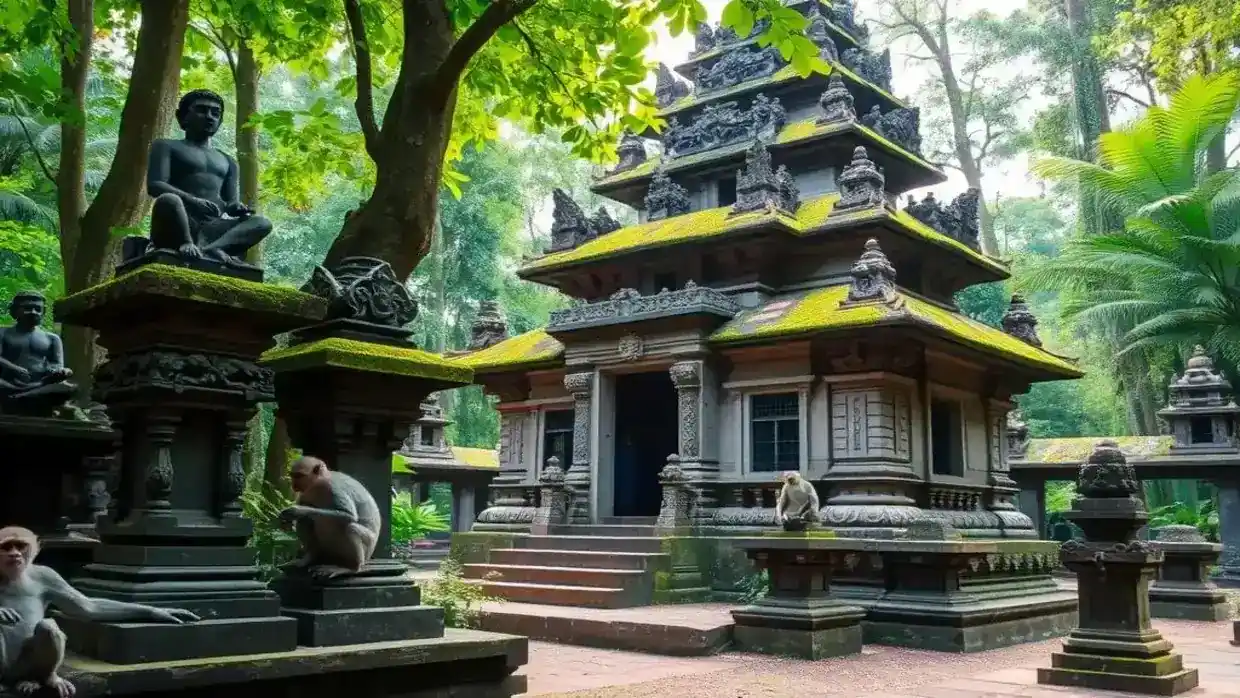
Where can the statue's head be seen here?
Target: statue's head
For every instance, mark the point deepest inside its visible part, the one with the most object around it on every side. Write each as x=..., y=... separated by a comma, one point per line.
x=27, y=309
x=200, y=112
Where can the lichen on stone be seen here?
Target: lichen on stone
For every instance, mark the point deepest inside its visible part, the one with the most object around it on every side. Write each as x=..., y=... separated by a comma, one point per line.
x=533, y=347
x=179, y=282
x=336, y=352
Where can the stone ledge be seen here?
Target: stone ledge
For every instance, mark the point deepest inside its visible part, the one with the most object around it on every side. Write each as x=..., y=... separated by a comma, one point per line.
x=351, y=354
x=681, y=631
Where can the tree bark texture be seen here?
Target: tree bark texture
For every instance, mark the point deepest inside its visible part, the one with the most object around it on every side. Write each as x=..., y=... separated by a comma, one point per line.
x=1090, y=111
x=88, y=241
x=275, y=470
x=245, y=82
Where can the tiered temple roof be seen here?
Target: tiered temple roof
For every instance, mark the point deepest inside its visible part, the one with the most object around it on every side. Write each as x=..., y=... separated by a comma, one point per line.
x=779, y=194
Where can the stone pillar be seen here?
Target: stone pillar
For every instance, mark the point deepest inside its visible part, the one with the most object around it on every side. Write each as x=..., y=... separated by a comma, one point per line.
x=554, y=499
x=1114, y=648
x=1184, y=589
x=1229, y=533
x=1013, y=523
x=697, y=471
x=1032, y=501
x=581, y=473
x=469, y=508
x=676, y=511
x=512, y=509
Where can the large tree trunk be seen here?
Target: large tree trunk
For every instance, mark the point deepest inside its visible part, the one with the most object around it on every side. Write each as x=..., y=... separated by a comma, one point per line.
x=90, y=244
x=1090, y=111
x=275, y=471
x=245, y=80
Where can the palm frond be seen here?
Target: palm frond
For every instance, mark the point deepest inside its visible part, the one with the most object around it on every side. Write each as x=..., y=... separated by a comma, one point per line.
x=15, y=206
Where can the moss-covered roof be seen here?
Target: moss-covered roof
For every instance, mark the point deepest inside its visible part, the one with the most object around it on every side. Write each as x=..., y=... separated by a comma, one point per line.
x=795, y=133
x=1076, y=449
x=179, y=282
x=813, y=215
x=481, y=458
x=533, y=347
x=335, y=352
x=819, y=310
x=783, y=75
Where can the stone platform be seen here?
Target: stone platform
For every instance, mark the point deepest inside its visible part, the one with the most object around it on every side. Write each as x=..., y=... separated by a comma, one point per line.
x=679, y=630
x=461, y=664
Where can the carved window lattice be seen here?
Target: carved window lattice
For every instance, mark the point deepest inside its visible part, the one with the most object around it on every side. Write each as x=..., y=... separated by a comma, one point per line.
x=775, y=432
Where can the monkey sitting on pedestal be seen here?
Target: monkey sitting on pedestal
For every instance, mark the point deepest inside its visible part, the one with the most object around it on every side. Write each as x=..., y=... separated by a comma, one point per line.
x=798, y=503
x=337, y=520
x=32, y=646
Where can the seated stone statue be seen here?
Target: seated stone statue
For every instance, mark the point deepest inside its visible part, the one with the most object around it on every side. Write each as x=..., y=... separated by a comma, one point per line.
x=197, y=213
x=33, y=377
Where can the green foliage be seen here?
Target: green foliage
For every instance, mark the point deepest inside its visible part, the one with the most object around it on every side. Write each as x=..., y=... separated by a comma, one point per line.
x=262, y=504
x=985, y=303
x=1180, y=38
x=1203, y=515
x=755, y=586
x=412, y=522
x=460, y=600
x=29, y=259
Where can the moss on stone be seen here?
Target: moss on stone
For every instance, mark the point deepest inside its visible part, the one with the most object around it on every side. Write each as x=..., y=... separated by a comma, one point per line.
x=179, y=282
x=1077, y=449
x=335, y=352
x=819, y=310
x=533, y=347
x=475, y=547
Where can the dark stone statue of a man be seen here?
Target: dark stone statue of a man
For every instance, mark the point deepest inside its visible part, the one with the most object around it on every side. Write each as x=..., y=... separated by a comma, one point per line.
x=33, y=377
x=197, y=213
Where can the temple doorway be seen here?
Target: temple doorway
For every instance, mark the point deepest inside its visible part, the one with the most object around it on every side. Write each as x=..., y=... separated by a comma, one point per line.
x=646, y=421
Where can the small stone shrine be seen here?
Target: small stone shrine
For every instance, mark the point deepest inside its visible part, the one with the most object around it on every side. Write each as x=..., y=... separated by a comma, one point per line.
x=1184, y=589
x=66, y=450
x=1114, y=647
x=1201, y=412
x=773, y=309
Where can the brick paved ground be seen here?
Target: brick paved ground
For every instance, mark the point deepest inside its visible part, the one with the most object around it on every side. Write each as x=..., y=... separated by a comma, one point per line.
x=880, y=672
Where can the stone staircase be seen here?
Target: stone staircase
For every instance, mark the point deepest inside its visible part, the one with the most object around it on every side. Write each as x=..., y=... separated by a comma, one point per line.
x=610, y=565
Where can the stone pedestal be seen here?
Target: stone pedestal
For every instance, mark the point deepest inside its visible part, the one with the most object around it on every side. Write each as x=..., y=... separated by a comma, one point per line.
x=798, y=617
x=180, y=383
x=1114, y=646
x=346, y=389
x=1184, y=589
x=1228, y=573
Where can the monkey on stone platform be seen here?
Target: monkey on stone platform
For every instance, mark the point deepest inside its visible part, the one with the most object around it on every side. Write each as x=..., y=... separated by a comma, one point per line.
x=798, y=503
x=337, y=520
x=32, y=646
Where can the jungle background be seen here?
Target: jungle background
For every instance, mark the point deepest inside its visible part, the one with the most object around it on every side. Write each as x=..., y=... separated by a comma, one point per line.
x=1009, y=97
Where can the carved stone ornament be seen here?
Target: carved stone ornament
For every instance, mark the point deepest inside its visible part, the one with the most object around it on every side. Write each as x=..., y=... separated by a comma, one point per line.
x=931, y=529
x=179, y=371
x=873, y=277
x=1017, y=436
x=861, y=184
x=580, y=385
x=959, y=220
x=820, y=34
x=489, y=326
x=627, y=304
x=632, y=152
x=875, y=69
x=665, y=198
x=676, y=509
x=602, y=222
x=630, y=347
x=1201, y=384
x=687, y=377
x=738, y=65
x=569, y=225
x=900, y=126
x=668, y=89
x=844, y=14
x=758, y=188
x=1021, y=323
x=724, y=124
x=1179, y=533
x=1107, y=474
x=837, y=103
x=555, y=500
x=364, y=289
x=703, y=39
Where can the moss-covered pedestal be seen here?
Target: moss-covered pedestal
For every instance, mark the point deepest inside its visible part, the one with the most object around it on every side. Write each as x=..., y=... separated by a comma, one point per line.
x=798, y=617
x=1114, y=648
x=179, y=384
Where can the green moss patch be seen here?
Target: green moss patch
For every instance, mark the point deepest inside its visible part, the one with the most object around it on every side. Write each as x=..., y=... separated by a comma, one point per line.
x=335, y=352
x=530, y=348
x=179, y=282
x=1077, y=449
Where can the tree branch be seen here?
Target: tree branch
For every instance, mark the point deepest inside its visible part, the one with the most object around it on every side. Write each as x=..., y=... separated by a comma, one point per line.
x=364, y=105
x=34, y=148
x=475, y=36
x=1125, y=95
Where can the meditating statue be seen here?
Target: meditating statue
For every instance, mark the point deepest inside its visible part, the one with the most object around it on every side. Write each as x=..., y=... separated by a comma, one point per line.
x=33, y=377
x=197, y=214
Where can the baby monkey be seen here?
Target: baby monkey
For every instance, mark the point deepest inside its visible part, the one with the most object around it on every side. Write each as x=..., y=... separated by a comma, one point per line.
x=798, y=503
x=32, y=646
x=336, y=519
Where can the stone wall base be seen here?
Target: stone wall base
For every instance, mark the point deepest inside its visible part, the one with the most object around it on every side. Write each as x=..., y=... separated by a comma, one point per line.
x=1155, y=676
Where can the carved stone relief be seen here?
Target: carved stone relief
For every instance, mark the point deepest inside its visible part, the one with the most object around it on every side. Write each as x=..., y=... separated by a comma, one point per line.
x=900, y=126
x=687, y=377
x=862, y=185
x=958, y=220
x=724, y=124
x=665, y=198
x=759, y=188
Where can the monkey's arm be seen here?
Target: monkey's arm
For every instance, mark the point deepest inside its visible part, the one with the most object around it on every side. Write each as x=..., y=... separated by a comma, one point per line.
x=74, y=603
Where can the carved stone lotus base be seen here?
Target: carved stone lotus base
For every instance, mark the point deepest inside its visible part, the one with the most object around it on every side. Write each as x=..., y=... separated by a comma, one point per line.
x=377, y=605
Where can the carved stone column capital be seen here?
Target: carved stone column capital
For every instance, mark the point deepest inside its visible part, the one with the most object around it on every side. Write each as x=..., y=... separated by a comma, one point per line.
x=686, y=374
x=579, y=384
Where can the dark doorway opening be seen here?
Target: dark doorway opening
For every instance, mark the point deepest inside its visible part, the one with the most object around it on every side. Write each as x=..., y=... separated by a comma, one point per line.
x=646, y=435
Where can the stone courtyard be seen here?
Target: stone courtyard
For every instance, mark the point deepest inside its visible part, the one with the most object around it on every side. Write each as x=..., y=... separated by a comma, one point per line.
x=878, y=672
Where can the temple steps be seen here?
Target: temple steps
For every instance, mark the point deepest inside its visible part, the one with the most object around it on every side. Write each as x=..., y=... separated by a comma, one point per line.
x=583, y=568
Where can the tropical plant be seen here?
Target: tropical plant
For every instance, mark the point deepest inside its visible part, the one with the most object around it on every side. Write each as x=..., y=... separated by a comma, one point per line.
x=1204, y=516
x=460, y=599
x=262, y=503
x=755, y=586
x=411, y=522
x=1171, y=277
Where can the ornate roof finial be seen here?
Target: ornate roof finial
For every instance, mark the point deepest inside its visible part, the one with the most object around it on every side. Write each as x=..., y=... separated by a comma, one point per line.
x=818, y=33
x=965, y=211
x=1020, y=322
x=703, y=39
x=667, y=88
x=837, y=103
x=1107, y=474
x=602, y=223
x=489, y=327
x=862, y=185
x=665, y=198
x=569, y=226
x=632, y=152
x=873, y=277
x=758, y=187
